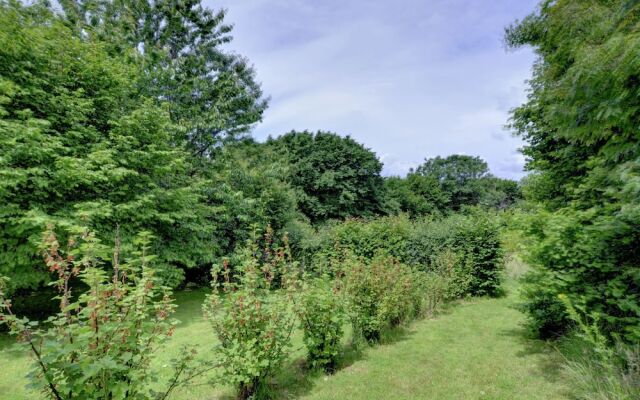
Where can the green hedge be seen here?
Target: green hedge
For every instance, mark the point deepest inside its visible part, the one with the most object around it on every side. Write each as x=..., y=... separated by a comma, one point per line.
x=473, y=237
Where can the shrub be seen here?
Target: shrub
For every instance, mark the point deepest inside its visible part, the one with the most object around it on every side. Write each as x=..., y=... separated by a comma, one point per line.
x=546, y=314
x=474, y=238
x=603, y=370
x=435, y=288
x=379, y=295
x=449, y=280
x=368, y=238
x=579, y=256
x=100, y=344
x=80, y=144
x=321, y=313
x=253, y=322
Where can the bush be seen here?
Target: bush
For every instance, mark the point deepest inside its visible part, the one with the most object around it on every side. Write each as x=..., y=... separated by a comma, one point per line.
x=379, y=295
x=435, y=289
x=321, y=313
x=101, y=344
x=546, y=315
x=600, y=369
x=368, y=238
x=579, y=256
x=80, y=145
x=473, y=238
x=253, y=322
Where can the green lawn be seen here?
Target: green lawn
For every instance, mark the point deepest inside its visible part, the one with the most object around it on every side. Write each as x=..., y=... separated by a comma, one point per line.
x=476, y=350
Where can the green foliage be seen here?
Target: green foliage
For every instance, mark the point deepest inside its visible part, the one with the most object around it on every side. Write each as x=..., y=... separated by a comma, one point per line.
x=580, y=123
x=380, y=294
x=546, y=315
x=458, y=176
x=101, y=343
x=367, y=238
x=78, y=143
x=601, y=371
x=444, y=185
x=334, y=176
x=211, y=93
x=466, y=181
x=470, y=242
x=253, y=322
x=475, y=241
x=416, y=195
x=247, y=190
x=322, y=317
x=568, y=257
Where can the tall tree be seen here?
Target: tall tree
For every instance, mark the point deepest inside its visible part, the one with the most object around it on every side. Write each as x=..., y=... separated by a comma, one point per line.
x=581, y=124
x=459, y=177
x=335, y=177
x=213, y=93
x=78, y=142
x=415, y=194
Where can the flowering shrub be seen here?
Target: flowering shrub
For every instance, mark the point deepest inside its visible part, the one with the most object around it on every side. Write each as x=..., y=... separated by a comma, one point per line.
x=101, y=343
x=322, y=316
x=252, y=321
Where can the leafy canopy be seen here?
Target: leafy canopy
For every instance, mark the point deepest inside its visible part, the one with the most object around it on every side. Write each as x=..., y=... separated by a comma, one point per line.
x=335, y=177
x=78, y=141
x=211, y=92
x=581, y=126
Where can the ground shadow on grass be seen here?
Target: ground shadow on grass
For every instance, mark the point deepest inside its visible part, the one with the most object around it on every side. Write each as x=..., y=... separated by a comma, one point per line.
x=548, y=360
x=10, y=348
x=296, y=379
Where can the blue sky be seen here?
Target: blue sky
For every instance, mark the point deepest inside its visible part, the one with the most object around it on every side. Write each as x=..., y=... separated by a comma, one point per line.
x=407, y=78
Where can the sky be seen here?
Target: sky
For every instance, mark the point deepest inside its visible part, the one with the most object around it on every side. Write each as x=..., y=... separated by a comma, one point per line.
x=410, y=79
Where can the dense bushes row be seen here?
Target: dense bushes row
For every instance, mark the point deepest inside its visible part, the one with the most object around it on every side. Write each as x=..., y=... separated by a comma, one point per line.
x=473, y=239
x=108, y=335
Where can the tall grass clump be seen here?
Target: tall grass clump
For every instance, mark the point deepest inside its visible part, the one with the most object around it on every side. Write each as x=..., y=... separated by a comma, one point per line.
x=600, y=368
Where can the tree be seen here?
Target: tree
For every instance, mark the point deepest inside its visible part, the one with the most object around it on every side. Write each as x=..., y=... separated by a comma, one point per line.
x=211, y=93
x=466, y=181
x=498, y=193
x=78, y=142
x=580, y=123
x=247, y=189
x=415, y=194
x=335, y=177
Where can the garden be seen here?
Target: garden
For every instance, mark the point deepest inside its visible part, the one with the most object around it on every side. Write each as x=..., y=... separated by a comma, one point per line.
x=150, y=248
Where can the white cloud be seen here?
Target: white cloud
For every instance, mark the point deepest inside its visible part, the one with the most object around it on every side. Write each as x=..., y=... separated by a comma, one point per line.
x=409, y=78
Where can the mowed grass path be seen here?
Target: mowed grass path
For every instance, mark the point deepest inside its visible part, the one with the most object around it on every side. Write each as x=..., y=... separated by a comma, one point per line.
x=478, y=350
x=475, y=350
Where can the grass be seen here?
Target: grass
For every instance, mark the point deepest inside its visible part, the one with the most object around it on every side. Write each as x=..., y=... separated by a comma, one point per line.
x=476, y=350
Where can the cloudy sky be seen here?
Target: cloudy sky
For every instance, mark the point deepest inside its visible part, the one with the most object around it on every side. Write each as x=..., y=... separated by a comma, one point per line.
x=408, y=78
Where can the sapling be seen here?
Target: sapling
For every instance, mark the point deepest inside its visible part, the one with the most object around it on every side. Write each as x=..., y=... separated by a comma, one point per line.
x=251, y=318
x=322, y=316
x=101, y=343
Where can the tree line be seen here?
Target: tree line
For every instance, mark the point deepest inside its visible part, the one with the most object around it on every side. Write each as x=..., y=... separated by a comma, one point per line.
x=134, y=115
